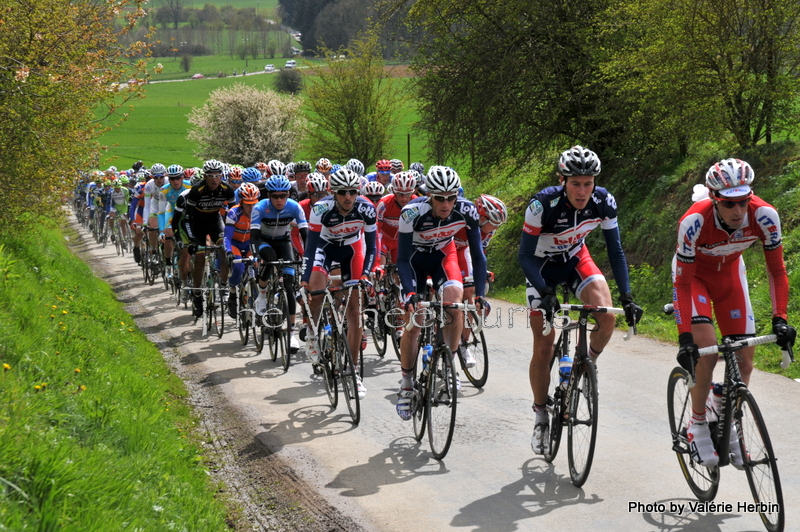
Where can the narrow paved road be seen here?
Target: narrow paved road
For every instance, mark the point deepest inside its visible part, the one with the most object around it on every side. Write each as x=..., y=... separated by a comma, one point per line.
x=490, y=480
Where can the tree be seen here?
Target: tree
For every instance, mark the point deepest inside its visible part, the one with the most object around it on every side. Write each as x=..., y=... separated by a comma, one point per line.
x=57, y=85
x=354, y=103
x=175, y=8
x=244, y=125
x=289, y=81
x=186, y=62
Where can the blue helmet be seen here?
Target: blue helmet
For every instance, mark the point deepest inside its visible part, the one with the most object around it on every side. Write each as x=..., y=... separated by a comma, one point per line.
x=278, y=183
x=251, y=175
x=336, y=167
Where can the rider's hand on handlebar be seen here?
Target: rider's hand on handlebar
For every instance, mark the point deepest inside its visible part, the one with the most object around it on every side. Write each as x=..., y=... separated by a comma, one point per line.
x=688, y=354
x=786, y=333
x=367, y=285
x=549, y=303
x=410, y=303
x=633, y=312
x=483, y=306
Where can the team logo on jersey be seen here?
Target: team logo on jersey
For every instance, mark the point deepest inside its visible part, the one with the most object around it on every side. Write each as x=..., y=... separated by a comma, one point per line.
x=554, y=202
x=611, y=201
x=409, y=215
x=536, y=207
x=736, y=314
x=321, y=208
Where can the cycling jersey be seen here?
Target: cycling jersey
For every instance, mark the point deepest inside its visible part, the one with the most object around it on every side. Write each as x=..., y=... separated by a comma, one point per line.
x=555, y=232
x=202, y=211
x=421, y=232
x=171, y=194
x=119, y=200
x=276, y=224
x=154, y=200
x=335, y=237
x=709, y=252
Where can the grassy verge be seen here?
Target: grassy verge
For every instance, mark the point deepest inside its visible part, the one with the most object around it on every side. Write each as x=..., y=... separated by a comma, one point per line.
x=94, y=430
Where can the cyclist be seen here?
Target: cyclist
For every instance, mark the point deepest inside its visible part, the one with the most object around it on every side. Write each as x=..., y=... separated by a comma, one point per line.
x=709, y=272
x=299, y=190
x=324, y=167
x=203, y=223
x=119, y=213
x=426, y=248
x=171, y=191
x=383, y=172
x=492, y=213
x=336, y=227
x=235, y=177
x=552, y=251
x=136, y=210
x=270, y=238
x=153, y=201
x=356, y=166
x=237, y=238
x=396, y=166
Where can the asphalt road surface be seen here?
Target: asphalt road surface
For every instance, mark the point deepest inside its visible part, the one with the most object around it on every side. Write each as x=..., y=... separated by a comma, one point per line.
x=378, y=474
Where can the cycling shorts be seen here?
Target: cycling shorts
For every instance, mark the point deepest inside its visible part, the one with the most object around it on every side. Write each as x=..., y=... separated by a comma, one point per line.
x=199, y=228
x=440, y=265
x=465, y=265
x=577, y=273
x=350, y=259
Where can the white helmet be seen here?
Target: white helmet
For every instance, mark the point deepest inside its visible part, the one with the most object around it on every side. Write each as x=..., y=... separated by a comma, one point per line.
x=404, y=182
x=578, y=161
x=344, y=178
x=442, y=179
x=730, y=178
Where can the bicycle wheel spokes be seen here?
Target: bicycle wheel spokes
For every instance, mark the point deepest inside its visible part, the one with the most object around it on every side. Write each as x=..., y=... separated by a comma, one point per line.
x=703, y=481
x=347, y=374
x=555, y=399
x=759, y=461
x=243, y=313
x=284, y=331
x=378, y=325
x=582, y=423
x=440, y=404
x=418, y=402
x=327, y=361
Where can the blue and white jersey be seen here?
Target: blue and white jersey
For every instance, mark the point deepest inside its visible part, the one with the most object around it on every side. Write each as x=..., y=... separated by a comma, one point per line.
x=343, y=229
x=431, y=233
x=277, y=224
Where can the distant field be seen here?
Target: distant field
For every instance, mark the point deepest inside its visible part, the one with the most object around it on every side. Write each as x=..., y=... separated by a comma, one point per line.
x=156, y=128
x=210, y=66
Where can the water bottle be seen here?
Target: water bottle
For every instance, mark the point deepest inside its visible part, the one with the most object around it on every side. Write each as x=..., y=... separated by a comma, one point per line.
x=714, y=402
x=327, y=331
x=564, y=370
x=427, y=351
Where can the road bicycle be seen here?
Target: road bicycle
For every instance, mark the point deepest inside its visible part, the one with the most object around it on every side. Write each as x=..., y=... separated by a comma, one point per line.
x=117, y=234
x=738, y=412
x=336, y=360
x=212, y=289
x=151, y=260
x=375, y=321
x=276, y=330
x=574, y=404
x=387, y=319
x=433, y=405
x=476, y=342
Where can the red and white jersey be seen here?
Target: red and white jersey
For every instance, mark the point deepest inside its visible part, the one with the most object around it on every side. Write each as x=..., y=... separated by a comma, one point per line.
x=388, y=212
x=335, y=227
x=705, y=247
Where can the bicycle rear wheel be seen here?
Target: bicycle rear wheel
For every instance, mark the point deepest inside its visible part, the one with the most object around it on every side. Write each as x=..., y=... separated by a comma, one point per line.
x=219, y=303
x=478, y=374
x=582, y=423
x=378, y=327
x=555, y=401
x=759, y=461
x=284, y=330
x=395, y=319
x=703, y=481
x=440, y=404
x=327, y=360
x=347, y=374
x=242, y=312
x=144, y=258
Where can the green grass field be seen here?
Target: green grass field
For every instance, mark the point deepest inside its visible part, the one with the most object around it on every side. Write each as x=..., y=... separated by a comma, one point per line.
x=156, y=128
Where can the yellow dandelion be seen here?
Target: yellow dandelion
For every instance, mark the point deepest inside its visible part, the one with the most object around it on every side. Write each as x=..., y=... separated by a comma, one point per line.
x=64, y=312
x=37, y=387
x=44, y=385
x=52, y=316
x=77, y=370
x=122, y=323
x=6, y=367
x=53, y=307
x=130, y=330
x=82, y=387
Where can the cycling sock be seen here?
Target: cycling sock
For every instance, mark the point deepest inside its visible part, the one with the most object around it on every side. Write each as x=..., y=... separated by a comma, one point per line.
x=698, y=418
x=540, y=411
x=593, y=352
x=407, y=380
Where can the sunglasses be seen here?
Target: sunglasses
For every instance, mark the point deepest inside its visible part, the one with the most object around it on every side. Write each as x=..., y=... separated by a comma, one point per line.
x=214, y=174
x=278, y=196
x=730, y=204
x=443, y=199
x=384, y=172
x=347, y=192
x=175, y=177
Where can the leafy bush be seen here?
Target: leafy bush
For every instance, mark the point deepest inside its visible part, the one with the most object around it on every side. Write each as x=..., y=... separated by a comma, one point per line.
x=289, y=81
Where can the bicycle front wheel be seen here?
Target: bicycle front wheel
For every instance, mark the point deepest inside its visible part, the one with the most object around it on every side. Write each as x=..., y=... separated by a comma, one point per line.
x=418, y=402
x=555, y=401
x=759, y=461
x=347, y=374
x=378, y=329
x=395, y=320
x=440, y=407
x=327, y=360
x=219, y=306
x=582, y=423
x=243, y=316
x=476, y=343
x=283, y=332
x=703, y=481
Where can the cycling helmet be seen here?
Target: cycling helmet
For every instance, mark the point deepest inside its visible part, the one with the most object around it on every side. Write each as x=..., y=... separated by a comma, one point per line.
x=317, y=182
x=289, y=170
x=396, y=165
x=248, y=193
x=418, y=178
x=236, y=174
x=442, y=179
x=92, y=185
x=189, y=173
x=278, y=183
x=383, y=165
x=404, y=183
x=262, y=167
x=174, y=170
x=356, y=166
x=373, y=188
x=578, y=161
x=302, y=166
x=344, y=179
x=146, y=175
x=335, y=168
x=198, y=177
x=492, y=209
x=276, y=167
x=417, y=167
x=323, y=165
x=730, y=178
x=251, y=175
x=212, y=165
x=123, y=180
x=158, y=170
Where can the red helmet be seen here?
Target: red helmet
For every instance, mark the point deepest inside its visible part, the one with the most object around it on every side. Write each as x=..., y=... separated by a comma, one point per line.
x=248, y=193
x=492, y=209
x=384, y=165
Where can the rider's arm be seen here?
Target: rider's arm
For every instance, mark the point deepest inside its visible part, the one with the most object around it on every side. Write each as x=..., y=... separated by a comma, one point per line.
x=478, y=260
x=689, y=230
x=619, y=265
x=311, y=250
x=531, y=230
x=769, y=222
x=404, y=268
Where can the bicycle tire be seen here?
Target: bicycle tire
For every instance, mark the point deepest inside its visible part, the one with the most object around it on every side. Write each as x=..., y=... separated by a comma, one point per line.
x=270, y=332
x=347, y=375
x=144, y=257
x=378, y=329
x=419, y=400
x=395, y=319
x=582, y=423
x=219, y=305
x=555, y=398
x=478, y=374
x=151, y=279
x=759, y=464
x=441, y=402
x=256, y=320
x=242, y=314
x=211, y=311
x=327, y=360
x=703, y=481
x=284, y=331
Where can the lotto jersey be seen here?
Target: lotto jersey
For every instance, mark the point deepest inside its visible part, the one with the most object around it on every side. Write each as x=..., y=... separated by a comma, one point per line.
x=342, y=229
x=432, y=233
